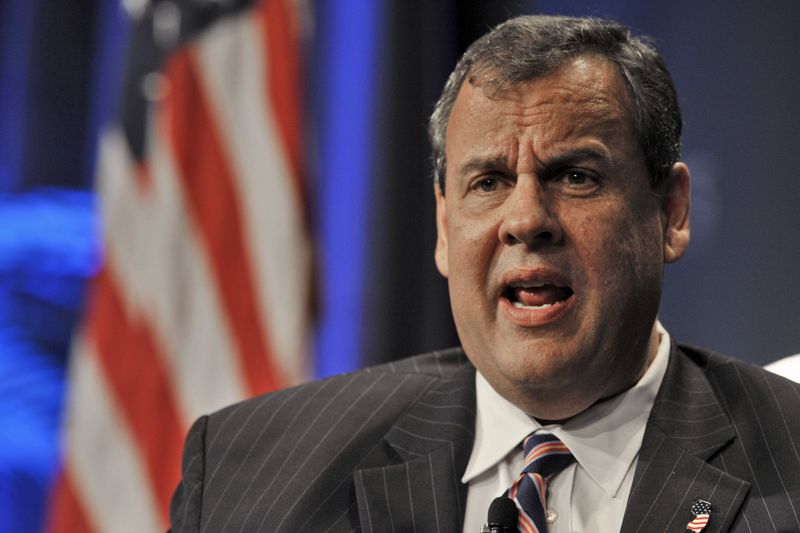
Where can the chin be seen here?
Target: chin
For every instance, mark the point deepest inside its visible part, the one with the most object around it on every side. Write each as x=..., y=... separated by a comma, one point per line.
x=546, y=370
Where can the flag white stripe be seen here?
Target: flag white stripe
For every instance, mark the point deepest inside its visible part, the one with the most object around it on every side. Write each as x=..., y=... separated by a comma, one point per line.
x=164, y=276
x=273, y=214
x=107, y=471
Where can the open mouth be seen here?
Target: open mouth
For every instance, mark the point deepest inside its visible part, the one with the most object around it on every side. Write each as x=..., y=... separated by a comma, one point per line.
x=537, y=295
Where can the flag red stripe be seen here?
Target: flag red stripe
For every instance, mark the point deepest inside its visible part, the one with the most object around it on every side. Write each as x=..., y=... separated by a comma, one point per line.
x=66, y=514
x=144, y=181
x=278, y=23
x=208, y=186
x=133, y=366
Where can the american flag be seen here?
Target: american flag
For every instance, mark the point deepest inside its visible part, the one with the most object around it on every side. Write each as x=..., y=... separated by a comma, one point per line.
x=204, y=296
x=702, y=511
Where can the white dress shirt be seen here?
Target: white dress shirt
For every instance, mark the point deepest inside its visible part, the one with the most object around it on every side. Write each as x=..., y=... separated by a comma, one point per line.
x=591, y=494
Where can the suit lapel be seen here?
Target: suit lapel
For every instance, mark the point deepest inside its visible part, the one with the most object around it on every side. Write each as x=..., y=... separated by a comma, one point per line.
x=429, y=447
x=686, y=428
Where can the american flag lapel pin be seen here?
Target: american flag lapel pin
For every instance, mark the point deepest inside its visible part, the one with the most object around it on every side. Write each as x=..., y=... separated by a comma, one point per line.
x=701, y=510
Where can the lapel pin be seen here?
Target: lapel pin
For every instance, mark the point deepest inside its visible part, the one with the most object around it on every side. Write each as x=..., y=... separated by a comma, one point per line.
x=701, y=510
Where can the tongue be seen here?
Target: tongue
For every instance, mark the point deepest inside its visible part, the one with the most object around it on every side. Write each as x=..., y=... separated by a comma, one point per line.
x=537, y=296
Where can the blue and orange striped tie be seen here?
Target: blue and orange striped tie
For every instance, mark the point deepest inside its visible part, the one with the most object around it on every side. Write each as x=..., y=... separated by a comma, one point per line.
x=545, y=456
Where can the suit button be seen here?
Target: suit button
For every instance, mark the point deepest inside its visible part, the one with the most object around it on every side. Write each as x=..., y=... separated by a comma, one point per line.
x=550, y=516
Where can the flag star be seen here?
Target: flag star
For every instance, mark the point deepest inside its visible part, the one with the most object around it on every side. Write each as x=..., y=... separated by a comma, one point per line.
x=701, y=507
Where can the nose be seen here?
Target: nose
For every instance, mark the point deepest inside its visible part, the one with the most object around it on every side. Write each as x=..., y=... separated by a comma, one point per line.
x=528, y=219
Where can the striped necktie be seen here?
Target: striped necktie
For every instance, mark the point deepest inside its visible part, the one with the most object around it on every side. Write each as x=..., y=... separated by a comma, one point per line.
x=545, y=456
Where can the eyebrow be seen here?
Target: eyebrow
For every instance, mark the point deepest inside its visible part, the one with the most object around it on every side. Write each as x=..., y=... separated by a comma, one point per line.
x=579, y=154
x=479, y=164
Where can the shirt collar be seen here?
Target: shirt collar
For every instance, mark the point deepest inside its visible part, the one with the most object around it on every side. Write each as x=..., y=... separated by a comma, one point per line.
x=605, y=439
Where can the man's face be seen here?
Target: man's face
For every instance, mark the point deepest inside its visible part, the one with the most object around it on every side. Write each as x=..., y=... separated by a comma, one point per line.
x=553, y=239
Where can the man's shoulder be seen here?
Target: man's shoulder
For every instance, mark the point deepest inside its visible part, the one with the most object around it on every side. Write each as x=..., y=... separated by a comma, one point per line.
x=746, y=389
x=256, y=452
x=715, y=364
x=437, y=364
x=389, y=386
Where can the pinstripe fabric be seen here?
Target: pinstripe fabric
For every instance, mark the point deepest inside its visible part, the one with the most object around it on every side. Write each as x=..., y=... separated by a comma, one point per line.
x=725, y=432
x=384, y=449
x=376, y=450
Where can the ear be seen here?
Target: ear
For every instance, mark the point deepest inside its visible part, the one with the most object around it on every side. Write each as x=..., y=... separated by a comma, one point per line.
x=675, y=212
x=441, y=231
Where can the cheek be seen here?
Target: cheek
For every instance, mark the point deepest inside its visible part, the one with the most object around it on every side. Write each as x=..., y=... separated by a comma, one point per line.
x=620, y=248
x=472, y=245
x=640, y=256
x=471, y=255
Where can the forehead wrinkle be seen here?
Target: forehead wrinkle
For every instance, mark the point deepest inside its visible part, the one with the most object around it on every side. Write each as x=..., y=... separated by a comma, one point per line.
x=593, y=119
x=594, y=102
x=531, y=119
x=582, y=137
x=590, y=110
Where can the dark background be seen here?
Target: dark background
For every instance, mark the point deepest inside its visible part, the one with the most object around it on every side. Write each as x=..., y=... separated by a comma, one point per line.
x=736, y=66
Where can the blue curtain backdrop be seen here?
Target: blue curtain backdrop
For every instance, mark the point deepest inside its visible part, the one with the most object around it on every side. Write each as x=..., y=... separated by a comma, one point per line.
x=58, y=66
x=374, y=70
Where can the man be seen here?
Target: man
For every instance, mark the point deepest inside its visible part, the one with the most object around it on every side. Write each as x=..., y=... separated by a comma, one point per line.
x=560, y=198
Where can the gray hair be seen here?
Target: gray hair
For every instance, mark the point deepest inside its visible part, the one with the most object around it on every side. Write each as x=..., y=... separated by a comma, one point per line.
x=528, y=47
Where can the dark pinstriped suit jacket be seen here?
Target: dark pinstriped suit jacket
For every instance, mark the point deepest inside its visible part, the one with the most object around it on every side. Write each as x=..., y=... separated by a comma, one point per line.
x=383, y=449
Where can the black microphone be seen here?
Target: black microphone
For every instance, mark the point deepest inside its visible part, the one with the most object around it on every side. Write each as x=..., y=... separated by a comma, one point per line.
x=502, y=515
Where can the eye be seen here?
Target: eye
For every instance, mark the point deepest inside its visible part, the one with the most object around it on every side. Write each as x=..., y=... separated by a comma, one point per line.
x=486, y=184
x=576, y=180
x=575, y=177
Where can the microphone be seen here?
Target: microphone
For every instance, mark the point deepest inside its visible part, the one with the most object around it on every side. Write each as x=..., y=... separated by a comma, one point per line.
x=502, y=516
